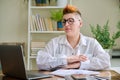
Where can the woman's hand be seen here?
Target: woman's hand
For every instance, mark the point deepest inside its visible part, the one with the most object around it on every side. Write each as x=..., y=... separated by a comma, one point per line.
x=73, y=58
x=76, y=58
x=74, y=61
x=83, y=58
x=72, y=65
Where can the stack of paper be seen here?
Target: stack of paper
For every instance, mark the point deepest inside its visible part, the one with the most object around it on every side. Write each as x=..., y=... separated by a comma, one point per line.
x=63, y=72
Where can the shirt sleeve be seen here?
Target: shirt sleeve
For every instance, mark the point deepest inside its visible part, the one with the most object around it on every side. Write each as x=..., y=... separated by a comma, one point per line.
x=100, y=60
x=46, y=59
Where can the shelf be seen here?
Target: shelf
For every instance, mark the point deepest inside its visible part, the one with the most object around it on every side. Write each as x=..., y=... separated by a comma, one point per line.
x=33, y=56
x=37, y=48
x=46, y=7
x=35, y=32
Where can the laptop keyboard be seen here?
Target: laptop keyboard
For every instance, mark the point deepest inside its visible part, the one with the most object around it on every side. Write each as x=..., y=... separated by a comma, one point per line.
x=34, y=75
x=37, y=75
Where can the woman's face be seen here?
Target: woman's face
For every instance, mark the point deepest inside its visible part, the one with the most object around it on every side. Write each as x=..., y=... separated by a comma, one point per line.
x=71, y=23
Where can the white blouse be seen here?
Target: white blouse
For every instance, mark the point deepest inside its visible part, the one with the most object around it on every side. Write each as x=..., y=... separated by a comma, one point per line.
x=58, y=49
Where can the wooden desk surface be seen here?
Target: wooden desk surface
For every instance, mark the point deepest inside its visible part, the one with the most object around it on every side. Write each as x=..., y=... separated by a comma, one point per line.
x=112, y=74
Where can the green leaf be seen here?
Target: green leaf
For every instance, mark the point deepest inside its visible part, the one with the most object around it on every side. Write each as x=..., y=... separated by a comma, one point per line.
x=103, y=36
x=56, y=15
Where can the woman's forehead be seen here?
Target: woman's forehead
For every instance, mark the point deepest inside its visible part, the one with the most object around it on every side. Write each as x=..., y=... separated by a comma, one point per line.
x=72, y=15
x=69, y=15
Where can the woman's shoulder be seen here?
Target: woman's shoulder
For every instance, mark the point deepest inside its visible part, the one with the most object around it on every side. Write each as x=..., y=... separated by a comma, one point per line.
x=88, y=38
x=58, y=39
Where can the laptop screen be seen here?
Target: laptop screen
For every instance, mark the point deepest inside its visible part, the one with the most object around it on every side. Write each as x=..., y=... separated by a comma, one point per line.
x=12, y=63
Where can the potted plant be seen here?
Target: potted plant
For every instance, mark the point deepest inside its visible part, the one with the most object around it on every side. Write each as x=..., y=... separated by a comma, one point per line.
x=56, y=15
x=40, y=2
x=103, y=35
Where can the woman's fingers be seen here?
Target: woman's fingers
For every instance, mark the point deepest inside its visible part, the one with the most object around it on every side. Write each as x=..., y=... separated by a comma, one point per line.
x=74, y=58
x=83, y=58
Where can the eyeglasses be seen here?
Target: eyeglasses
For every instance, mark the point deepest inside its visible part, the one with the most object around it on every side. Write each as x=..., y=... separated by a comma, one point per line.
x=69, y=20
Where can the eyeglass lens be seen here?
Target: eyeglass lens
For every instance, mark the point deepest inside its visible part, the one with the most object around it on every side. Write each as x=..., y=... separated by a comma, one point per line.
x=69, y=20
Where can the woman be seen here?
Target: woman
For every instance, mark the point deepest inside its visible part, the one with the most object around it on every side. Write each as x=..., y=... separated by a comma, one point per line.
x=73, y=50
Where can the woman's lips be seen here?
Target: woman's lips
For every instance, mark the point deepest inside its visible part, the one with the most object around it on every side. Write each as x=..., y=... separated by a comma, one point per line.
x=67, y=29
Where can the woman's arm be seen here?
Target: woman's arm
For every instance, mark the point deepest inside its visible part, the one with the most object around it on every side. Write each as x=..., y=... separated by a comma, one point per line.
x=46, y=59
x=100, y=60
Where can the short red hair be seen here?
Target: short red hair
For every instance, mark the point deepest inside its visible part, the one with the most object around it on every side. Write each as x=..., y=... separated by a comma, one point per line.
x=70, y=9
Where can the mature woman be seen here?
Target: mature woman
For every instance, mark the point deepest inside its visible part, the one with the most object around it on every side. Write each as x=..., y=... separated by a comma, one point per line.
x=73, y=50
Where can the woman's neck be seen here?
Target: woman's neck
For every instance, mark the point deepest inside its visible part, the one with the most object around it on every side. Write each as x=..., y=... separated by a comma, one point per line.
x=73, y=40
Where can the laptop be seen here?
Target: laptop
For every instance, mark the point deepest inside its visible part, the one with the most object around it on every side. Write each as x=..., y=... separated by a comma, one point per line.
x=12, y=63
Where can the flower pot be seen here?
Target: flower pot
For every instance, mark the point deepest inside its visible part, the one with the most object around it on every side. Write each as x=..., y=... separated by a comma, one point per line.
x=59, y=26
x=109, y=51
x=40, y=2
x=61, y=3
x=52, y=2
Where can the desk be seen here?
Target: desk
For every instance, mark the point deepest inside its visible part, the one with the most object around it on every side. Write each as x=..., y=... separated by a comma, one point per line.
x=112, y=74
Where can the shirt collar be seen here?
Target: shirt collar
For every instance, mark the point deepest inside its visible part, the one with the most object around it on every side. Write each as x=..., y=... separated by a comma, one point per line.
x=81, y=42
x=63, y=40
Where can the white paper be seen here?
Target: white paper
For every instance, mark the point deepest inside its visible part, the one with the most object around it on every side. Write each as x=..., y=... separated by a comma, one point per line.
x=63, y=72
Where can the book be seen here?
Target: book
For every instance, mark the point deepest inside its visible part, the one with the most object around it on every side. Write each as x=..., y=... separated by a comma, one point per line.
x=38, y=44
x=48, y=24
x=34, y=51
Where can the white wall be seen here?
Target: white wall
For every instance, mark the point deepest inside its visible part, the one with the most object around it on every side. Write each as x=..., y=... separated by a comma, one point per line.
x=14, y=13
x=13, y=21
x=98, y=12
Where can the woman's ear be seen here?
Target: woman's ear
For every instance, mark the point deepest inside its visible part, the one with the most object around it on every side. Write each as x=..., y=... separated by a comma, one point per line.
x=81, y=23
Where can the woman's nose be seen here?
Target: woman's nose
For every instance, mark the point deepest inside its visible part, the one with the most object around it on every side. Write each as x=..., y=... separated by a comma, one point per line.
x=66, y=23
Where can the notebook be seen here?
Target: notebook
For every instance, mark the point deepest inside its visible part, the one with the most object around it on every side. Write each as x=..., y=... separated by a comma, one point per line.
x=12, y=63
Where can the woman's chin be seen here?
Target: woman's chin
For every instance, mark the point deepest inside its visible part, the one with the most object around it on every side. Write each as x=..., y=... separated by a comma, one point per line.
x=69, y=33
